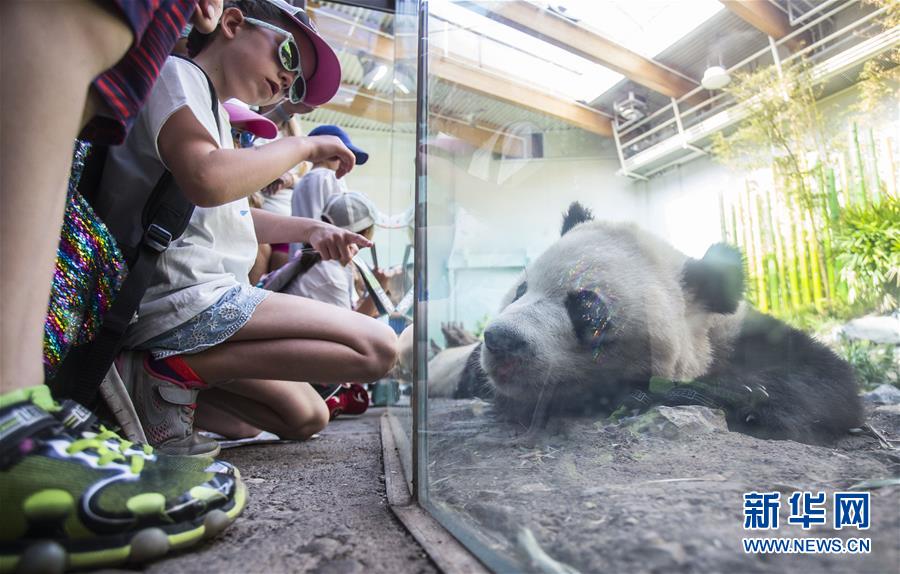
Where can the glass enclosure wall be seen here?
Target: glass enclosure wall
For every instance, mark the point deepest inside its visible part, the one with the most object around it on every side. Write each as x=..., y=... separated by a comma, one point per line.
x=603, y=389
x=376, y=106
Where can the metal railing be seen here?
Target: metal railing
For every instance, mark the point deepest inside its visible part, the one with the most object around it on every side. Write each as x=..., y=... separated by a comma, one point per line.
x=678, y=121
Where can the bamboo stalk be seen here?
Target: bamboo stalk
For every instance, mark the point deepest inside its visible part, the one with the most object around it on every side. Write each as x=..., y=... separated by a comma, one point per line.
x=844, y=161
x=759, y=255
x=750, y=253
x=892, y=168
x=834, y=206
x=800, y=246
x=814, y=268
x=826, y=187
x=790, y=251
x=774, y=223
x=772, y=281
x=876, y=190
x=767, y=251
x=863, y=192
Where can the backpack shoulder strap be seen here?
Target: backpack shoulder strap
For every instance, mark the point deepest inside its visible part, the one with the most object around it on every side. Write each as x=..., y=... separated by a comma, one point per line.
x=166, y=215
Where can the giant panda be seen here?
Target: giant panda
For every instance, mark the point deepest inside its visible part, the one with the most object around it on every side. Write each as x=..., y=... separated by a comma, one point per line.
x=608, y=307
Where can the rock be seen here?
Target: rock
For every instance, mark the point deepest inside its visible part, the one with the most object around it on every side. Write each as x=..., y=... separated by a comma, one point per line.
x=326, y=548
x=889, y=410
x=883, y=330
x=345, y=566
x=667, y=552
x=883, y=395
x=678, y=422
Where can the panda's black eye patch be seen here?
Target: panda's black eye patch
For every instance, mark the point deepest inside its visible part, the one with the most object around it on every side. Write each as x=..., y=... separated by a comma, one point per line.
x=521, y=290
x=589, y=315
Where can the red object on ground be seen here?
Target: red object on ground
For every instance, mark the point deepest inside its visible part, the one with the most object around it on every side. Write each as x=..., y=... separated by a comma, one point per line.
x=352, y=400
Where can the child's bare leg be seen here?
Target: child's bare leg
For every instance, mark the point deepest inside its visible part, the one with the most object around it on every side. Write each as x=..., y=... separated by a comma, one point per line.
x=291, y=338
x=212, y=418
x=49, y=54
x=289, y=409
x=261, y=265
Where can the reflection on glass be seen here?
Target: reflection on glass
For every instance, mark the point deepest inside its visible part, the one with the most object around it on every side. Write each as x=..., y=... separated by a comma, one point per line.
x=626, y=300
x=376, y=105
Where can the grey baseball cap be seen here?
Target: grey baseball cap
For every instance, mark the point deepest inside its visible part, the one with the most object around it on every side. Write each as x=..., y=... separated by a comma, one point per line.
x=351, y=210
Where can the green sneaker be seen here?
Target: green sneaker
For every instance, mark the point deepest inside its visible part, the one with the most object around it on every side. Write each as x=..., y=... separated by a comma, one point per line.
x=98, y=500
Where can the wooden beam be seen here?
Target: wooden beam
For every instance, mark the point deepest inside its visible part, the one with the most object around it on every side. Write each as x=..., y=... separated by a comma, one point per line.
x=765, y=17
x=500, y=142
x=492, y=84
x=554, y=29
x=367, y=105
x=343, y=36
x=501, y=87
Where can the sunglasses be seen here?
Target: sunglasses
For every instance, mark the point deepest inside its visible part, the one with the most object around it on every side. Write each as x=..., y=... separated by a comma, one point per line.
x=288, y=56
x=244, y=139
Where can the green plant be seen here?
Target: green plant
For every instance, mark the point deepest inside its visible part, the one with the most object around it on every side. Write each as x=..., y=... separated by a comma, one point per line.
x=867, y=243
x=784, y=226
x=873, y=364
x=480, y=326
x=880, y=77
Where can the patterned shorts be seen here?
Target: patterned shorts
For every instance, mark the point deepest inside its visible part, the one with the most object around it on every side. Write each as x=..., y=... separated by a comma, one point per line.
x=213, y=326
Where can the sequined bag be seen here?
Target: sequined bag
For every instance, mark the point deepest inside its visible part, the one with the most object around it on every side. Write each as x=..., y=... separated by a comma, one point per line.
x=90, y=270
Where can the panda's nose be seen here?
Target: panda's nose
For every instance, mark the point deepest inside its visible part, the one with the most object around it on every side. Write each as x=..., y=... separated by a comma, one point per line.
x=503, y=341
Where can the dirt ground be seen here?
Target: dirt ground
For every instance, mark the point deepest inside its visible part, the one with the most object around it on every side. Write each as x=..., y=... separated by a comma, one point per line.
x=599, y=497
x=317, y=506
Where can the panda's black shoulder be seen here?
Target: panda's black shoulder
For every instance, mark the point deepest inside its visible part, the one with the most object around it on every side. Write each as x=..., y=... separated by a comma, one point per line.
x=763, y=340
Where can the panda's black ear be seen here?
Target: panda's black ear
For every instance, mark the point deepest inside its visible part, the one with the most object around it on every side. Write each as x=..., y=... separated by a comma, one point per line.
x=576, y=214
x=717, y=280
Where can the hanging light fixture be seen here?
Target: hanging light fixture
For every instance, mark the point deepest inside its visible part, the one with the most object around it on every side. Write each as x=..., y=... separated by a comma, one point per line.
x=715, y=78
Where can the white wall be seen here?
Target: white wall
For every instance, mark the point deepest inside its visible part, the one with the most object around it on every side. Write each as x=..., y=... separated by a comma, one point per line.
x=490, y=217
x=682, y=205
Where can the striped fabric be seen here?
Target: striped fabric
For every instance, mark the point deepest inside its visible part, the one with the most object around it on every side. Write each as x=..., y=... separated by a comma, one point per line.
x=124, y=87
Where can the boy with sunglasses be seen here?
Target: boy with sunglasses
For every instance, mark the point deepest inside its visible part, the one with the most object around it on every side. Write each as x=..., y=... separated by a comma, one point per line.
x=201, y=325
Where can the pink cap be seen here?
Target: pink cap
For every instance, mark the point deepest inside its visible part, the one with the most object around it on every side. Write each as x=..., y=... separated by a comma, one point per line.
x=242, y=117
x=324, y=83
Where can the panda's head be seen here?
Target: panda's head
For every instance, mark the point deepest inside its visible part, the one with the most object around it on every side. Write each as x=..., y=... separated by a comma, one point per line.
x=607, y=305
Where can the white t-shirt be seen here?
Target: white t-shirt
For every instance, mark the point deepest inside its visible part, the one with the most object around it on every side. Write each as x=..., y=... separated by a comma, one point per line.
x=326, y=281
x=279, y=202
x=219, y=246
x=312, y=192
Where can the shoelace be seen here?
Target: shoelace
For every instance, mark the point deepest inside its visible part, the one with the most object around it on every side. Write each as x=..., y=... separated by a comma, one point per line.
x=105, y=454
x=123, y=444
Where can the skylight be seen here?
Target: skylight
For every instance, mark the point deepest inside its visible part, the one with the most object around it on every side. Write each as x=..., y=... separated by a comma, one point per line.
x=647, y=27
x=461, y=33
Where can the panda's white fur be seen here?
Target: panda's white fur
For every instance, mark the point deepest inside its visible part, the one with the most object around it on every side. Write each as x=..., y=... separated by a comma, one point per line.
x=657, y=326
x=608, y=306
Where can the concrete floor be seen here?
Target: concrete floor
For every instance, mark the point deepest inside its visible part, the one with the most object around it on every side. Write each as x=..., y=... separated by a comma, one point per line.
x=317, y=506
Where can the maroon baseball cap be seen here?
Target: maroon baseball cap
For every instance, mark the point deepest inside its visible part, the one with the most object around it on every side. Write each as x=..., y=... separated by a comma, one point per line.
x=242, y=117
x=324, y=83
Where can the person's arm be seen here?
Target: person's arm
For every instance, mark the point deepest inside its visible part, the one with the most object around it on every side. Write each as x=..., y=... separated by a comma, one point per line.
x=210, y=176
x=330, y=241
x=366, y=303
x=206, y=16
x=283, y=111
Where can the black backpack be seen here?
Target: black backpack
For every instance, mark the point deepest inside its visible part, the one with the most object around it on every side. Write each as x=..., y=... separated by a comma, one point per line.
x=163, y=215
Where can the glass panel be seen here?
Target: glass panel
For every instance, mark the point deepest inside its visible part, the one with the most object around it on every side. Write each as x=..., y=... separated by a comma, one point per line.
x=601, y=395
x=403, y=192
x=376, y=107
